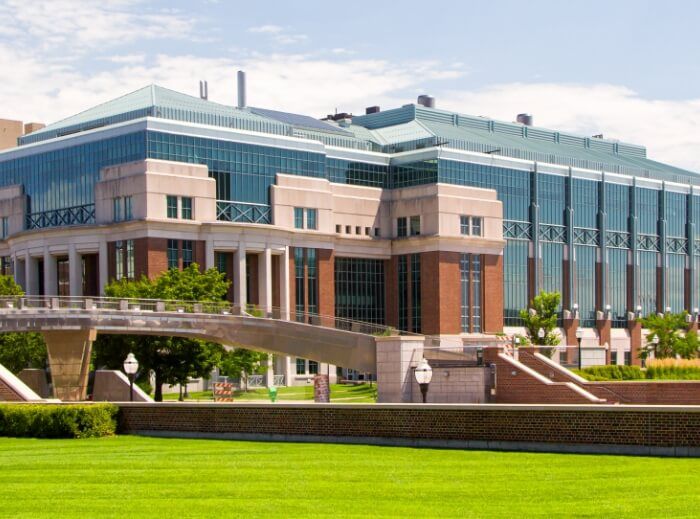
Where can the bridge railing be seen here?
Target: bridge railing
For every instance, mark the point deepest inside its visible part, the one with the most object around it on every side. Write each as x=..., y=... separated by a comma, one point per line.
x=223, y=308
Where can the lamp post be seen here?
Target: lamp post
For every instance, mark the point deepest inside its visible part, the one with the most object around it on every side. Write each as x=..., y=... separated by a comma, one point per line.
x=541, y=334
x=131, y=366
x=655, y=342
x=579, y=336
x=423, y=374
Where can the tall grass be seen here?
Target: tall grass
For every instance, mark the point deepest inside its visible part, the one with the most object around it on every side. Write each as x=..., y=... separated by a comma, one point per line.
x=657, y=369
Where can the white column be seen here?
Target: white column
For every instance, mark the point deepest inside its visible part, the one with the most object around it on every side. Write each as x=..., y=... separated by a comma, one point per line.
x=239, y=281
x=30, y=275
x=265, y=280
x=284, y=284
x=209, y=253
x=50, y=274
x=103, y=266
x=270, y=373
x=20, y=273
x=75, y=266
x=289, y=371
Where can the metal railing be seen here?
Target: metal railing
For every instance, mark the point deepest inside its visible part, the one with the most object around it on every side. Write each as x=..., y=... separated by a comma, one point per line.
x=220, y=308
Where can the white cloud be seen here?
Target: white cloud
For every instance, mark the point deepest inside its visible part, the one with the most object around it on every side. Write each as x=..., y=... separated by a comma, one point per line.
x=670, y=129
x=266, y=29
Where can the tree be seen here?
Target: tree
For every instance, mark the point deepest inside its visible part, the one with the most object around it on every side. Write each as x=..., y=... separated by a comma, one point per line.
x=542, y=315
x=673, y=338
x=240, y=363
x=173, y=360
x=20, y=350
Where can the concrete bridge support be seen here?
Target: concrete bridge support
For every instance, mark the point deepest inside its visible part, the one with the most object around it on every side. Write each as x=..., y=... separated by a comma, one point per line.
x=69, y=362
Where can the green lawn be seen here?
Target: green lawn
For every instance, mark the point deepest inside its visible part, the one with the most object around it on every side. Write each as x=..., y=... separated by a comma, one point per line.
x=340, y=393
x=147, y=477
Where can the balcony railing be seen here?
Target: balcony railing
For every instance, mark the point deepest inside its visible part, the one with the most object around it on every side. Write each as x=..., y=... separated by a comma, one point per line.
x=76, y=215
x=244, y=212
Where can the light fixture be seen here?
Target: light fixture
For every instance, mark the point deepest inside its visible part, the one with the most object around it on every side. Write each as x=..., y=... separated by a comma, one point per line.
x=575, y=307
x=131, y=366
x=608, y=308
x=423, y=374
x=579, y=336
x=541, y=333
x=668, y=309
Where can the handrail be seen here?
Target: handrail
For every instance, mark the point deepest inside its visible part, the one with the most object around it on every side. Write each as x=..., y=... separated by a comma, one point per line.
x=20, y=303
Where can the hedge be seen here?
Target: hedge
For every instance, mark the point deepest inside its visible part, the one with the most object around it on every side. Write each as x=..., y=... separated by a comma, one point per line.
x=58, y=420
x=614, y=372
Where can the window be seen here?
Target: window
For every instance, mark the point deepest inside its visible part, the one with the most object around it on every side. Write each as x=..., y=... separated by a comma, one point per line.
x=301, y=367
x=464, y=227
x=401, y=227
x=186, y=212
x=376, y=232
x=311, y=218
x=415, y=225
x=348, y=229
x=187, y=253
x=128, y=213
x=470, y=225
x=338, y=228
x=476, y=225
x=117, y=209
x=172, y=206
x=5, y=227
x=298, y=217
x=119, y=259
x=358, y=229
x=62, y=275
x=130, y=263
x=367, y=229
x=172, y=254
x=313, y=367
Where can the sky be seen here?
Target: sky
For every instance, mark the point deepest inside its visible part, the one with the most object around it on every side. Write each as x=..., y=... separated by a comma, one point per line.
x=626, y=69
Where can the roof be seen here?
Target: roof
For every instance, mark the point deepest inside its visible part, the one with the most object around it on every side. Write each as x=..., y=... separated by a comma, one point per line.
x=413, y=126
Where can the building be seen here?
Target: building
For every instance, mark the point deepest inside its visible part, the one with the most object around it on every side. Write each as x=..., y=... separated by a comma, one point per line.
x=430, y=221
x=11, y=131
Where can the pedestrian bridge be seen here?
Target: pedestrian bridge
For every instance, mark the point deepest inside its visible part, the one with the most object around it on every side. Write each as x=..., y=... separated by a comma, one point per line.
x=70, y=324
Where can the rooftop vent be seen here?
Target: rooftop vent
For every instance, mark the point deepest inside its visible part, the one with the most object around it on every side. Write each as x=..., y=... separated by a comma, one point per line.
x=598, y=136
x=241, y=89
x=372, y=110
x=426, y=100
x=338, y=116
x=345, y=122
x=525, y=119
x=203, y=90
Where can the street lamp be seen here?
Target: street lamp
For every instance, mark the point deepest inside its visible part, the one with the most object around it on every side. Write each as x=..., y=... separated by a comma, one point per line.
x=541, y=333
x=131, y=366
x=423, y=374
x=579, y=336
x=655, y=342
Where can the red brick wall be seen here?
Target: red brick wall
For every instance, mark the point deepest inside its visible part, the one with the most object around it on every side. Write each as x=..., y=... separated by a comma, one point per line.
x=624, y=392
x=326, y=281
x=440, y=293
x=7, y=394
x=493, y=293
x=292, y=283
x=252, y=286
x=614, y=425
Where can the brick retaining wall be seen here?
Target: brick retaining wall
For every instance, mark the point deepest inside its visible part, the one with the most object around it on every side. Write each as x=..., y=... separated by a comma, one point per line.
x=638, y=429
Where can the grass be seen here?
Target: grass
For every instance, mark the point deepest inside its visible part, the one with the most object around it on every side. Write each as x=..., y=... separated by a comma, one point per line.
x=128, y=476
x=340, y=393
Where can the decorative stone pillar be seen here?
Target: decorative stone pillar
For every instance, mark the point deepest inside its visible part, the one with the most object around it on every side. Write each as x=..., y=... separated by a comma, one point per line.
x=239, y=281
x=265, y=280
x=31, y=275
x=284, y=284
x=50, y=274
x=635, y=331
x=604, y=325
x=103, y=266
x=570, y=324
x=396, y=358
x=69, y=362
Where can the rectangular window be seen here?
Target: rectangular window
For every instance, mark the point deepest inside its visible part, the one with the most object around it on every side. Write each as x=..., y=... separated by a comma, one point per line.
x=171, y=202
x=117, y=209
x=130, y=261
x=401, y=227
x=367, y=230
x=376, y=232
x=311, y=219
x=476, y=225
x=298, y=217
x=464, y=227
x=173, y=254
x=338, y=228
x=128, y=212
x=119, y=252
x=186, y=208
x=187, y=253
x=359, y=289
x=312, y=280
x=6, y=266
x=415, y=225
x=403, y=293
x=313, y=367
x=299, y=283
x=5, y=227
x=301, y=367
x=348, y=229
x=415, y=294
x=63, y=273
x=358, y=229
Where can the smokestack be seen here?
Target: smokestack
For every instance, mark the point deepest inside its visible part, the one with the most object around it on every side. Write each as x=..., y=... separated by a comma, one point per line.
x=204, y=90
x=525, y=119
x=241, y=89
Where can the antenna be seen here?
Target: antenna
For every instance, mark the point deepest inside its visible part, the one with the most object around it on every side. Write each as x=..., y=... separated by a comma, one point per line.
x=204, y=90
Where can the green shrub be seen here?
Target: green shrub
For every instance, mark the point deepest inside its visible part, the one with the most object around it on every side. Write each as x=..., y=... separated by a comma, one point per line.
x=614, y=372
x=58, y=421
x=673, y=373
